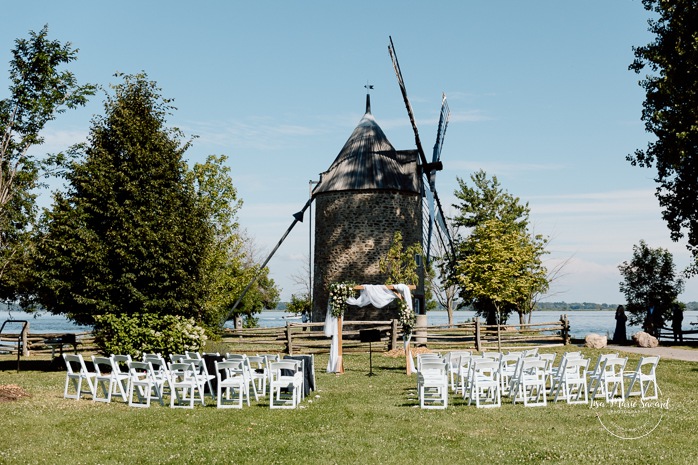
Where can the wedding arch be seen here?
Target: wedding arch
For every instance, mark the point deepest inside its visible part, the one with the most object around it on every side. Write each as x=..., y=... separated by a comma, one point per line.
x=343, y=294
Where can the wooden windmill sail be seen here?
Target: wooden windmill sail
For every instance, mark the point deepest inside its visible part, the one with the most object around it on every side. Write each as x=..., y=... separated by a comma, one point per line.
x=434, y=224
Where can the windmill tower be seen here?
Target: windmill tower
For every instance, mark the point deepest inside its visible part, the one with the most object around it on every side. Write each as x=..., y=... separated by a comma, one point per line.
x=370, y=191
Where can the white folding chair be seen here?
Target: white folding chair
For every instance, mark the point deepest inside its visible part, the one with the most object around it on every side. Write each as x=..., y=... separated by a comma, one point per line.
x=259, y=373
x=427, y=356
x=184, y=385
x=571, y=381
x=230, y=380
x=549, y=359
x=607, y=379
x=106, y=381
x=465, y=374
x=161, y=372
x=531, y=383
x=120, y=367
x=492, y=355
x=643, y=380
x=77, y=373
x=177, y=358
x=202, y=376
x=453, y=360
x=285, y=375
x=530, y=352
x=485, y=385
x=507, y=370
x=432, y=384
x=143, y=384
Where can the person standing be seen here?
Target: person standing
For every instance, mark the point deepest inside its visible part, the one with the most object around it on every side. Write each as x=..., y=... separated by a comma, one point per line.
x=676, y=321
x=619, y=336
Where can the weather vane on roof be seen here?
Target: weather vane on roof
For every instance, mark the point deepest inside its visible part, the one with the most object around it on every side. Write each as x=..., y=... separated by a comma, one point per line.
x=368, y=87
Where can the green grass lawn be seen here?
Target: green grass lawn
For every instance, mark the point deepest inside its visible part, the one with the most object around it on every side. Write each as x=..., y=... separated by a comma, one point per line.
x=352, y=418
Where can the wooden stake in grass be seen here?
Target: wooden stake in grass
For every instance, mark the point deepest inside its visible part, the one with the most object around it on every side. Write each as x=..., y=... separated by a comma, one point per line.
x=340, y=360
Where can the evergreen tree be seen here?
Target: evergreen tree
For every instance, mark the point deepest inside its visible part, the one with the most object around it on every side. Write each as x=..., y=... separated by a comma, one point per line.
x=128, y=236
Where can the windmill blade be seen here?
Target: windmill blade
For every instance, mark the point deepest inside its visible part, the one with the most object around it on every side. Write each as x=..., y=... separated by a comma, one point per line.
x=436, y=164
x=445, y=235
x=435, y=213
x=430, y=226
x=296, y=218
x=444, y=117
x=410, y=113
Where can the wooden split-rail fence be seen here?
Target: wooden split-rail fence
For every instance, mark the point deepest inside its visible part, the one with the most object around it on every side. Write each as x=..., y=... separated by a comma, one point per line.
x=297, y=338
x=310, y=337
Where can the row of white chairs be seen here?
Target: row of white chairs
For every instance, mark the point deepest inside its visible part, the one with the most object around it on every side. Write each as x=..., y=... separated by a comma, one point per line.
x=531, y=378
x=186, y=379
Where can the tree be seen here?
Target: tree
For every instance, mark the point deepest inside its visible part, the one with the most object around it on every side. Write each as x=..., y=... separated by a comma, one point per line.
x=670, y=112
x=262, y=294
x=300, y=302
x=230, y=260
x=445, y=291
x=129, y=235
x=399, y=264
x=486, y=201
x=650, y=282
x=39, y=91
x=503, y=268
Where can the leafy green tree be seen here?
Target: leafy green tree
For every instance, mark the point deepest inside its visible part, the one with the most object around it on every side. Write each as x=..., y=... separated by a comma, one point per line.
x=299, y=304
x=650, y=282
x=503, y=268
x=507, y=264
x=399, y=264
x=229, y=262
x=486, y=202
x=129, y=235
x=39, y=91
x=670, y=112
x=264, y=294
x=400, y=267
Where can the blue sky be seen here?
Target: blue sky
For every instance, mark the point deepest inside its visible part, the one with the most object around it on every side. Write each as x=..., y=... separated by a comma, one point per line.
x=540, y=95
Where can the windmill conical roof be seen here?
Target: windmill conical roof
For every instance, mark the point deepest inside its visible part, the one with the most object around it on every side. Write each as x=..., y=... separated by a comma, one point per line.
x=368, y=161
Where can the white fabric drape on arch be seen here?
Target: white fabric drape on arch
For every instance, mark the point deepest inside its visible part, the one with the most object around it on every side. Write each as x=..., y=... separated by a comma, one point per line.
x=331, y=331
x=404, y=289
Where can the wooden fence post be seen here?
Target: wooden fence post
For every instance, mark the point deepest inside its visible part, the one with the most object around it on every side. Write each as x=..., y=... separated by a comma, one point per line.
x=477, y=333
x=393, y=335
x=565, y=329
x=289, y=339
x=25, y=340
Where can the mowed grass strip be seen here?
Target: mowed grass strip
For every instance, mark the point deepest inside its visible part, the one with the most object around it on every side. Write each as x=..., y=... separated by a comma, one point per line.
x=352, y=418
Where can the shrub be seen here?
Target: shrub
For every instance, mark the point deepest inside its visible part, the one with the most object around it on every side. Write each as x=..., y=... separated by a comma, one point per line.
x=147, y=332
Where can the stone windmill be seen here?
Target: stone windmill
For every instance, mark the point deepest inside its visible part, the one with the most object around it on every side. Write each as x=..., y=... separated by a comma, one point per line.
x=370, y=191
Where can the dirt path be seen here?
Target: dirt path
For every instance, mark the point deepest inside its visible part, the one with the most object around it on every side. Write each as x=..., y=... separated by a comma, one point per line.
x=689, y=355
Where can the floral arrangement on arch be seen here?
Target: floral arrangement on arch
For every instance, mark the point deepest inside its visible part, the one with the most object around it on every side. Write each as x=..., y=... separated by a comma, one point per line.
x=406, y=317
x=339, y=293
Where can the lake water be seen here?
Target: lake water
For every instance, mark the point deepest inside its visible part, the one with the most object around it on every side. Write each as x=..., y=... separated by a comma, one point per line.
x=581, y=322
